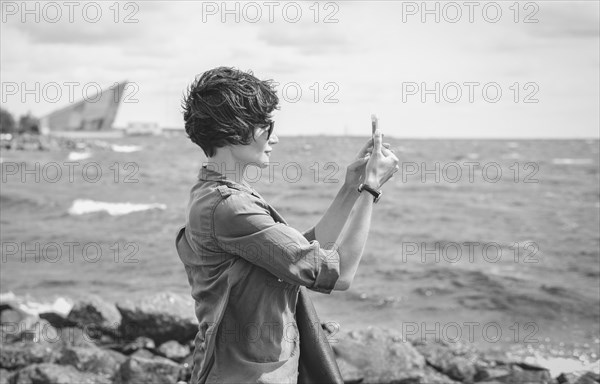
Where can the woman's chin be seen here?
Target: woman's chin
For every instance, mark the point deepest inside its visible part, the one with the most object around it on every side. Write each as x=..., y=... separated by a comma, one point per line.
x=265, y=162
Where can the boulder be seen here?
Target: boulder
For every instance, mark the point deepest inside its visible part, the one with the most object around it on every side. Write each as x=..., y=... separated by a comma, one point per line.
x=57, y=313
x=162, y=317
x=350, y=373
x=185, y=373
x=77, y=337
x=489, y=373
x=138, y=370
x=55, y=374
x=58, y=320
x=381, y=355
x=17, y=355
x=14, y=315
x=39, y=331
x=518, y=376
x=146, y=354
x=93, y=314
x=139, y=343
x=16, y=325
x=174, y=351
x=4, y=376
x=449, y=359
x=578, y=378
x=432, y=376
x=92, y=359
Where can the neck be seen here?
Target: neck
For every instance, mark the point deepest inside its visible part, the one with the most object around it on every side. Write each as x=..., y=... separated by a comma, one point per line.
x=226, y=164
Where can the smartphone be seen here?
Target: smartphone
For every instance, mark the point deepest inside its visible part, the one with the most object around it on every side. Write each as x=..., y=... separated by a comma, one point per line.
x=373, y=124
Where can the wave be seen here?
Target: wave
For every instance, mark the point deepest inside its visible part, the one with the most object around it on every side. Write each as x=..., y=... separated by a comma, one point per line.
x=11, y=201
x=125, y=148
x=61, y=305
x=558, y=365
x=83, y=206
x=74, y=156
x=572, y=161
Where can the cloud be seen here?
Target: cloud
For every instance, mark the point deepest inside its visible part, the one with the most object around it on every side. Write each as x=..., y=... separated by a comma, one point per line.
x=308, y=38
x=101, y=24
x=578, y=20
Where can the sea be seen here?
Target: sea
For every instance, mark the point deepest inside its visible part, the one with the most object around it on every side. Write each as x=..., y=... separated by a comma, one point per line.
x=493, y=243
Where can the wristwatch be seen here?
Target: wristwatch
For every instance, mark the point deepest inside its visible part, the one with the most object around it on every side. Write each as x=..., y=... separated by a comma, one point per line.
x=366, y=187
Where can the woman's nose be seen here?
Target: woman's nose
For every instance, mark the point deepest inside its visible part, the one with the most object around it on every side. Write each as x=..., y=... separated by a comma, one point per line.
x=273, y=139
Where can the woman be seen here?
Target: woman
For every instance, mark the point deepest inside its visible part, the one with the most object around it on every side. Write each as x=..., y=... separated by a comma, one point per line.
x=245, y=265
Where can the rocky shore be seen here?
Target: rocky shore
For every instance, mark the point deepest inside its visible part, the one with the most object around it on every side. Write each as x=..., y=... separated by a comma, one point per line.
x=151, y=341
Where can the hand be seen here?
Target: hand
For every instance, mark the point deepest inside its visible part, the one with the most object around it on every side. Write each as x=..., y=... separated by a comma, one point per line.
x=381, y=165
x=355, y=172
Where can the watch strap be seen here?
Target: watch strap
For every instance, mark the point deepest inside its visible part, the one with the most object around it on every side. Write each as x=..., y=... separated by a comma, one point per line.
x=366, y=187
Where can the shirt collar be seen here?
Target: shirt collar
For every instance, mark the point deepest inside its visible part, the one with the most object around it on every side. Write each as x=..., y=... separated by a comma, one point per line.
x=208, y=174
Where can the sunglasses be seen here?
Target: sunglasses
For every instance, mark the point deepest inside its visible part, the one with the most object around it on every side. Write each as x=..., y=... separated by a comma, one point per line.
x=269, y=129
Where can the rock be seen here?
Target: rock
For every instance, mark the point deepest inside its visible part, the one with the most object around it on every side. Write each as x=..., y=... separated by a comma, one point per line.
x=77, y=337
x=57, y=319
x=40, y=331
x=523, y=377
x=432, y=376
x=94, y=314
x=350, y=373
x=55, y=374
x=17, y=355
x=92, y=359
x=380, y=354
x=146, y=354
x=174, y=351
x=11, y=315
x=588, y=378
x=447, y=360
x=185, y=373
x=488, y=373
x=4, y=376
x=139, y=343
x=57, y=313
x=579, y=378
x=137, y=370
x=16, y=325
x=162, y=317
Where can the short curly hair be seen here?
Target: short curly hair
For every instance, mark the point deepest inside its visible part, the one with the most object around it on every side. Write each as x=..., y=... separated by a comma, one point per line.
x=224, y=105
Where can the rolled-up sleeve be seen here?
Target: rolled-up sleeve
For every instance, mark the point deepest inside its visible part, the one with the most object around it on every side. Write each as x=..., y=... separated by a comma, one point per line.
x=243, y=226
x=309, y=234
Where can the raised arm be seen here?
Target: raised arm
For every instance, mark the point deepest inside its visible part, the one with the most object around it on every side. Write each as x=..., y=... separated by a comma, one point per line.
x=380, y=166
x=330, y=226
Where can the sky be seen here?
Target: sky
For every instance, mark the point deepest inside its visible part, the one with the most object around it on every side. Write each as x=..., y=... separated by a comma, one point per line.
x=497, y=69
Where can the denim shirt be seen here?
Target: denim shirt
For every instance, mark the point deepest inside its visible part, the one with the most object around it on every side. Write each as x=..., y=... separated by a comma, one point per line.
x=245, y=264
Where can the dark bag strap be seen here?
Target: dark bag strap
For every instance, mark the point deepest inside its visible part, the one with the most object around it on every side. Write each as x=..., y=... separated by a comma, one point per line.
x=317, y=363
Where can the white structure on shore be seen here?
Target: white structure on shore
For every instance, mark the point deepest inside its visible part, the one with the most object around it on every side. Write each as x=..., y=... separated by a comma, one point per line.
x=93, y=114
x=142, y=128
